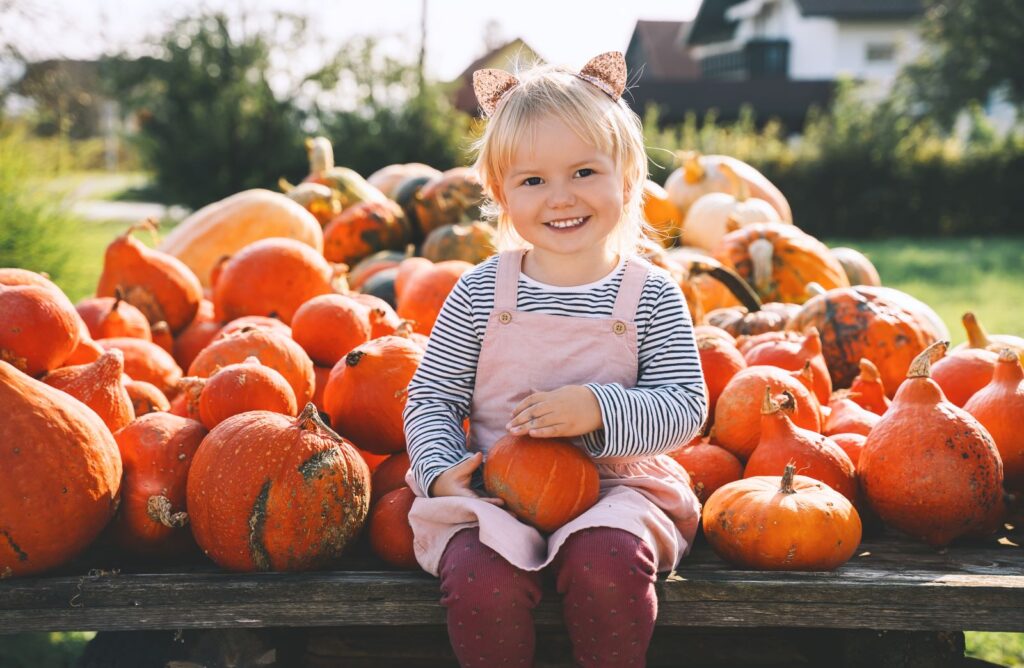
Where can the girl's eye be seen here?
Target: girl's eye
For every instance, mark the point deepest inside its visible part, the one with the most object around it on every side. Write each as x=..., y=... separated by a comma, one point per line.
x=532, y=181
x=585, y=171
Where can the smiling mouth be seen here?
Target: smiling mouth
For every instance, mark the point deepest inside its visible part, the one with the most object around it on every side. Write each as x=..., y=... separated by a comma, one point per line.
x=567, y=223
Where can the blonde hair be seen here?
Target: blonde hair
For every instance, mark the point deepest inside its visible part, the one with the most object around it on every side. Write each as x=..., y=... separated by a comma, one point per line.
x=612, y=127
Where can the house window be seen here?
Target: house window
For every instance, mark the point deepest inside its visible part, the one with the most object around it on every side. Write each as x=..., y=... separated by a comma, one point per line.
x=881, y=52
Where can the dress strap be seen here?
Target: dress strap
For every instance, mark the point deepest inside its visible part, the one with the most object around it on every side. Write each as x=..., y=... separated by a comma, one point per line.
x=631, y=288
x=506, y=286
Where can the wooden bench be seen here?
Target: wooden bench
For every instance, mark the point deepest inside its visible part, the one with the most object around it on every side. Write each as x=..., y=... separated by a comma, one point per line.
x=897, y=603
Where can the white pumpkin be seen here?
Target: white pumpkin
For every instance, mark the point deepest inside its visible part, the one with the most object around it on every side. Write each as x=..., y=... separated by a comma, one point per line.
x=700, y=174
x=716, y=214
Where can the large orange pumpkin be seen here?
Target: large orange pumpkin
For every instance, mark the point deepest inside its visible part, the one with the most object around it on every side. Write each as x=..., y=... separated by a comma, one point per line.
x=863, y=322
x=158, y=284
x=545, y=482
x=789, y=523
x=157, y=450
x=271, y=277
x=928, y=468
x=271, y=492
x=61, y=475
x=366, y=393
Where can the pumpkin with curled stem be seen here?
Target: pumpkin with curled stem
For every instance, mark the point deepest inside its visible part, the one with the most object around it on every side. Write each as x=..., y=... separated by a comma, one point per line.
x=787, y=522
x=778, y=261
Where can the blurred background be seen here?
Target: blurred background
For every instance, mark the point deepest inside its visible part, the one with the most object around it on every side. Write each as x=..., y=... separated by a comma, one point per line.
x=892, y=126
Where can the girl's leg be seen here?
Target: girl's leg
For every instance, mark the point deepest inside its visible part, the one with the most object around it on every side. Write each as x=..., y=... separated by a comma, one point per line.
x=490, y=604
x=607, y=579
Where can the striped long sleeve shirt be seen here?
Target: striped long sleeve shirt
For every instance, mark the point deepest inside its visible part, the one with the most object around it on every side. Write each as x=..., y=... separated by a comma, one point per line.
x=664, y=410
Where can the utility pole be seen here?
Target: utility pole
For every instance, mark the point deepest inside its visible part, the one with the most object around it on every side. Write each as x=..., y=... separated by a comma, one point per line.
x=423, y=46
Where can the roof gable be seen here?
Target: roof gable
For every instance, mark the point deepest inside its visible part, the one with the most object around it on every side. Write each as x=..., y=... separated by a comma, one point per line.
x=655, y=46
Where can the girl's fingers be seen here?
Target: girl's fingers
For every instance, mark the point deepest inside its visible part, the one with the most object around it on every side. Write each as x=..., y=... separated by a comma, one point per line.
x=492, y=500
x=531, y=415
x=531, y=400
x=549, y=431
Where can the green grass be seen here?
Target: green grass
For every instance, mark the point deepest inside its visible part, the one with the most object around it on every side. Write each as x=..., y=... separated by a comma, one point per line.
x=955, y=275
x=1005, y=649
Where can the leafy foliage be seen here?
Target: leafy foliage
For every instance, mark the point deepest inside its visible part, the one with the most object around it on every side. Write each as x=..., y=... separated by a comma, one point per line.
x=975, y=48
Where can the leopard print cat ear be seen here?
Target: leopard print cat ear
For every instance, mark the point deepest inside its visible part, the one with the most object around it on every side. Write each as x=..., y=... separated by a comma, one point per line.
x=490, y=85
x=608, y=72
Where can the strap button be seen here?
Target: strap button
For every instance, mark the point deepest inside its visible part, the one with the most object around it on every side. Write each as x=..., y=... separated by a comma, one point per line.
x=505, y=317
x=619, y=327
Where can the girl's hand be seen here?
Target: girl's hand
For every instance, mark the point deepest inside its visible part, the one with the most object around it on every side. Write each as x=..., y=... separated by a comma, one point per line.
x=568, y=411
x=456, y=481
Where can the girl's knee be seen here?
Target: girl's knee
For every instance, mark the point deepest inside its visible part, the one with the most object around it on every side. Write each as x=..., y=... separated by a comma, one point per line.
x=474, y=575
x=604, y=558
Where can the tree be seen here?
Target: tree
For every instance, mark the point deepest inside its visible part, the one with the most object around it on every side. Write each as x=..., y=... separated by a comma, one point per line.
x=210, y=123
x=972, y=49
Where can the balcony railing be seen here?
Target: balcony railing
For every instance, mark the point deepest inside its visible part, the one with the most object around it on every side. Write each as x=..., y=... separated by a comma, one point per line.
x=758, y=59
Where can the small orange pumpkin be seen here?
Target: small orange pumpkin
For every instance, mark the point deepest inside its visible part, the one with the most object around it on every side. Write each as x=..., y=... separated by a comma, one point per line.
x=39, y=328
x=247, y=386
x=109, y=317
x=391, y=536
x=545, y=482
x=710, y=466
x=328, y=327
x=786, y=523
x=98, y=385
x=999, y=407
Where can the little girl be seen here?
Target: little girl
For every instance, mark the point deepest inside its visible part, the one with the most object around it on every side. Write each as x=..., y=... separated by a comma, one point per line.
x=566, y=332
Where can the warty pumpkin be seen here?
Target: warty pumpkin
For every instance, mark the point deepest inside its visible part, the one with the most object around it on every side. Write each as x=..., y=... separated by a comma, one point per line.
x=363, y=229
x=929, y=468
x=229, y=225
x=154, y=281
x=271, y=492
x=157, y=450
x=545, y=482
x=62, y=473
x=789, y=522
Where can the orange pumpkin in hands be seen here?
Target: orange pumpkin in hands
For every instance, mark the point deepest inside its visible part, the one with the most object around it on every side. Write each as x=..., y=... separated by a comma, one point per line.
x=788, y=523
x=545, y=482
x=928, y=468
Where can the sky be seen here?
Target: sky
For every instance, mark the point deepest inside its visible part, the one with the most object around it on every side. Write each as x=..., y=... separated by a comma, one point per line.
x=568, y=32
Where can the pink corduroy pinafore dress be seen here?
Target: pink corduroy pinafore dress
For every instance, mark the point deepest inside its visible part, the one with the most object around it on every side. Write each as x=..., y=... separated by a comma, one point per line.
x=523, y=353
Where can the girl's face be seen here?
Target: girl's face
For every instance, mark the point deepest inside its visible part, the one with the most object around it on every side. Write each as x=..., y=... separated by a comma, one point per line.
x=562, y=194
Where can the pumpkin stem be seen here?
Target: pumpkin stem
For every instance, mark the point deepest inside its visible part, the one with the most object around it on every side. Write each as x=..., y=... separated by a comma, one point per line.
x=118, y=298
x=921, y=367
x=1007, y=355
x=815, y=289
x=787, y=479
x=284, y=185
x=739, y=288
x=739, y=187
x=309, y=420
x=321, y=155
x=761, y=252
x=768, y=405
x=151, y=224
x=693, y=168
x=404, y=329
x=353, y=357
x=977, y=337
x=868, y=370
x=158, y=508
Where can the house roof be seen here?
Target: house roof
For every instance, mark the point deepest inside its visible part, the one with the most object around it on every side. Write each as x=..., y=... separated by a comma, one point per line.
x=711, y=24
x=655, y=46
x=504, y=57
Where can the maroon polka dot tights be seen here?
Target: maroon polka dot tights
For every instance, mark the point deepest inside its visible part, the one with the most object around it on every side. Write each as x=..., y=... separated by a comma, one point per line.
x=605, y=576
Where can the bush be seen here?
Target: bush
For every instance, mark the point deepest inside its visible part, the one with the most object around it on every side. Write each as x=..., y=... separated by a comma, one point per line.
x=36, y=232
x=872, y=171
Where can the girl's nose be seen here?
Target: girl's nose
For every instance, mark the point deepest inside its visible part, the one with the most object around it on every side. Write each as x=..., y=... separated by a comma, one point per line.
x=561, y=197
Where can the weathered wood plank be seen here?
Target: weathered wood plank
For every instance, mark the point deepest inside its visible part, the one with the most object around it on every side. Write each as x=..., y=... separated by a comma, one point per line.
x=892, y=584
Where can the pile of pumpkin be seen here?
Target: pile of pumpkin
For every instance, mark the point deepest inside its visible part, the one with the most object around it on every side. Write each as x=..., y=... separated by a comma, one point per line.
x=240, y=386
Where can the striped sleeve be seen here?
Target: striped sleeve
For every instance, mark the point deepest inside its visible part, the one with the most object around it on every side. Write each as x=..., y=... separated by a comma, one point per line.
x=668, y=405
x=442, y=388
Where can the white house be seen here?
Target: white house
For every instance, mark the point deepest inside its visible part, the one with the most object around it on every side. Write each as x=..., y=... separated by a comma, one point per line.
x=806, y=40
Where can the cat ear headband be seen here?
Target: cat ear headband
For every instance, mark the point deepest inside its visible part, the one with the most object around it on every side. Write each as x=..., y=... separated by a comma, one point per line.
x=606, y=71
